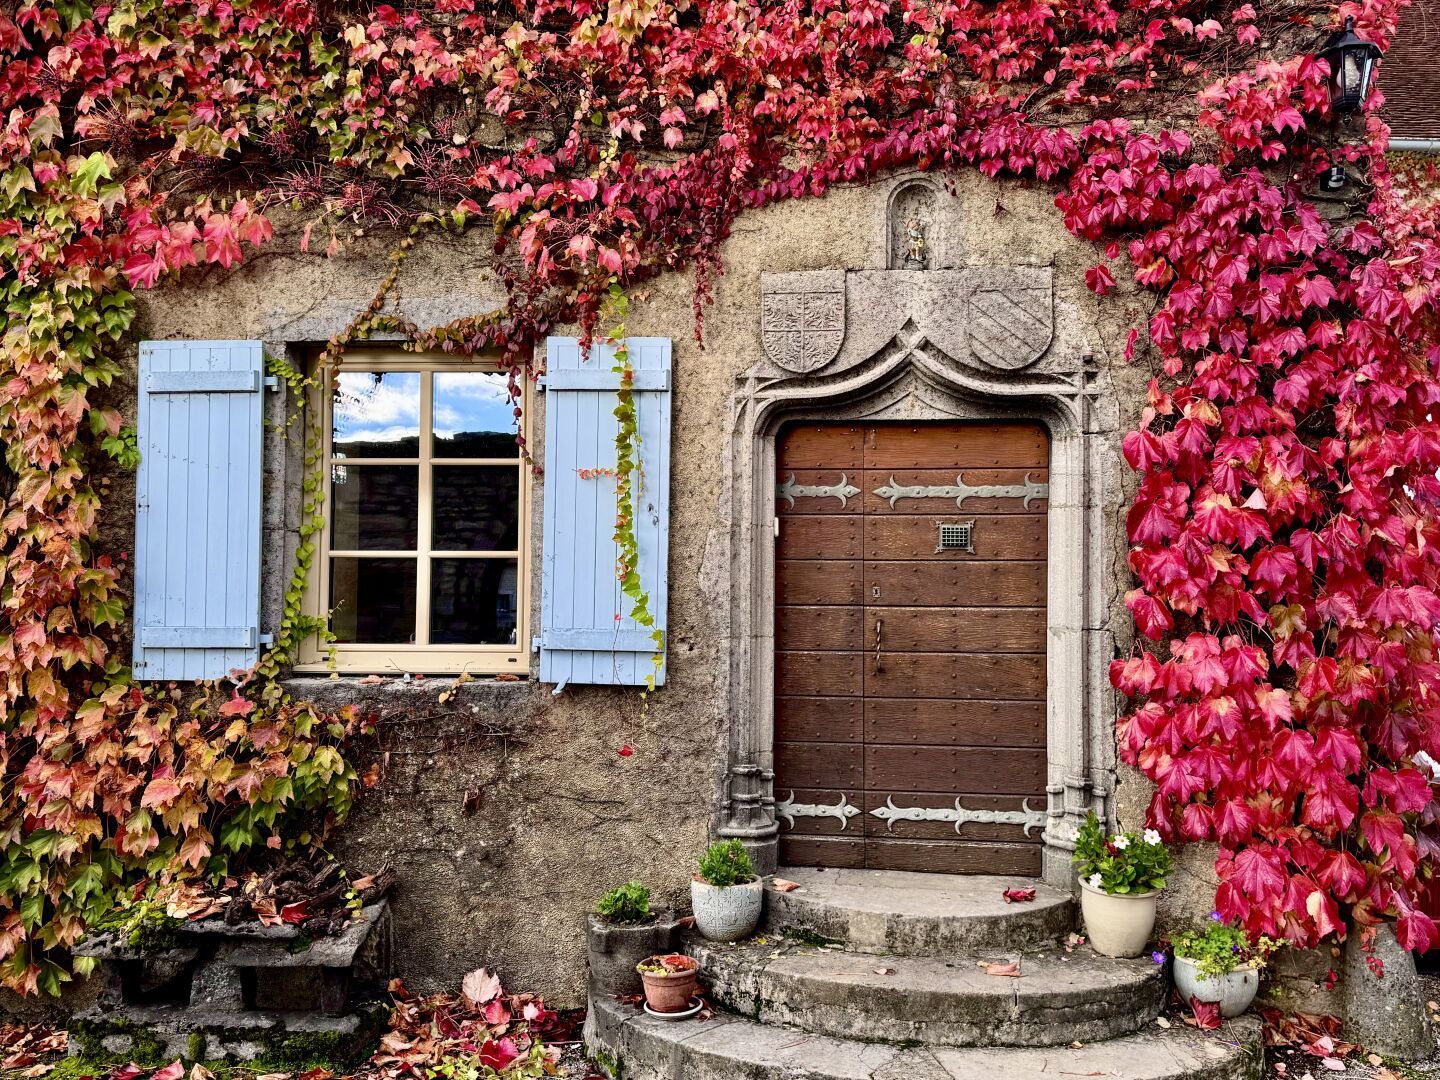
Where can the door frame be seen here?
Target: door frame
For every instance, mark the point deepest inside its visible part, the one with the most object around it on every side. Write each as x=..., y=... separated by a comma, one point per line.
x=912, y=379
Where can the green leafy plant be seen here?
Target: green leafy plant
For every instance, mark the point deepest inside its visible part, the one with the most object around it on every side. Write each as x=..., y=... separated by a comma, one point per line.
x=143, y=924
x=628, y=904
x=1218, y=948
x=1123, y=864
x=726, y=863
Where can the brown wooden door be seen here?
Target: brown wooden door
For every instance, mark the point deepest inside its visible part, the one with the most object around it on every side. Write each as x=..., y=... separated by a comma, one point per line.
x=910, y=649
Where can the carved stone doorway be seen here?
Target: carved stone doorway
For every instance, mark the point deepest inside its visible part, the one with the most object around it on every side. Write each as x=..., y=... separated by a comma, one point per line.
x=910, y=646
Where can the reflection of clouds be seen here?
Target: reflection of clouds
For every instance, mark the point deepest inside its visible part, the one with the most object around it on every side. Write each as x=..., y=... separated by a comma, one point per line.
x=386, y=409
x=472, y=401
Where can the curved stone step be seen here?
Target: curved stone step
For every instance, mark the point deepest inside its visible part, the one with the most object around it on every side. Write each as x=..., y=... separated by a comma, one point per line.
x=1060, y=997
x=629, y=1044
x=894, y=911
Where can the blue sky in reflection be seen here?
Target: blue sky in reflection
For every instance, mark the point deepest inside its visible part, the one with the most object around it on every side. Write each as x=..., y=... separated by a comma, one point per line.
x=384, y=407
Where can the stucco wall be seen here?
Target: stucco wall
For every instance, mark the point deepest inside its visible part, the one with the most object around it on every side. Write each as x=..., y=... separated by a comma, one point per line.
x=560, y=814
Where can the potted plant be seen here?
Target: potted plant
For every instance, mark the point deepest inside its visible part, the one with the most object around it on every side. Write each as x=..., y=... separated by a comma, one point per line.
x=1120, y=877
x=1220, y=965
x=669, y=981
x=726, y=895
x=621, y=932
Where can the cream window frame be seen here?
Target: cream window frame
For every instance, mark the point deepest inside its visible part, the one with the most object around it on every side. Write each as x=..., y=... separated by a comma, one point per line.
x=359, y=658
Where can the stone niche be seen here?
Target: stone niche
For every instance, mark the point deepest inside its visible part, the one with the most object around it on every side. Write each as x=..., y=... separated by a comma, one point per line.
x=240, y=991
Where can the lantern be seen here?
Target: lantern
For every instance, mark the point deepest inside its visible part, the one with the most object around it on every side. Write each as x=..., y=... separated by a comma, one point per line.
x=1352, y=62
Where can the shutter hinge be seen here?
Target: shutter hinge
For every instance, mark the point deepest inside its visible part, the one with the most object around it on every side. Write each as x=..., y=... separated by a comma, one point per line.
x=540, y=383
x=535, y=643
x=267, y=639
x=272, y=382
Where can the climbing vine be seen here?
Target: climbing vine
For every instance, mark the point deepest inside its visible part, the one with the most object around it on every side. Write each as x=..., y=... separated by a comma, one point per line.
x=1283, y=534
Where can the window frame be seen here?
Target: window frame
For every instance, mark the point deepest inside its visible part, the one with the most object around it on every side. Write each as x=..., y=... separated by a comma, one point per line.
x=361, y=658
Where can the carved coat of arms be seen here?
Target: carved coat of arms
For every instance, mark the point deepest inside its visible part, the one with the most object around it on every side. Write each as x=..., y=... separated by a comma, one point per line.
x=802, y=318
x=1010, y=316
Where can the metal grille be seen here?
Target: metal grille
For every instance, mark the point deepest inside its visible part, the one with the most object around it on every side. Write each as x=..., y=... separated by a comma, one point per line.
x=956, y=537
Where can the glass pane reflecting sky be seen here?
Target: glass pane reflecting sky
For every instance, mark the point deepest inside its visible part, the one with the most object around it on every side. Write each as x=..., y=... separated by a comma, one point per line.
x=377, y=415
x=472, y=403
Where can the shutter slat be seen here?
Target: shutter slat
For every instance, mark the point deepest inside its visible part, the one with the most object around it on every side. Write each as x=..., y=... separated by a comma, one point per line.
x=198, y=494
x=587, y=634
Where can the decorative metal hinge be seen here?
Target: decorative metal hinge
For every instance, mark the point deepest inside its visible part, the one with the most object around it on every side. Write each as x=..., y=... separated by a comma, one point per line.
x=790, y=491
x=890, y=813
x=960, y=491
x=841, y=811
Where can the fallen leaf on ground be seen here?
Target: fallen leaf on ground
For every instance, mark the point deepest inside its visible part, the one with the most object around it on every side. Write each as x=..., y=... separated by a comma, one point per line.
x=1375, y=1059
x=1206, y=1014
x=1333, y=1064
x=173, y=1071
x=884, y=971
x=1164, y=1023
x=480, y=986
x=200, y=1072
x=1018, y=896
x=781, y=884
x=1011, y=969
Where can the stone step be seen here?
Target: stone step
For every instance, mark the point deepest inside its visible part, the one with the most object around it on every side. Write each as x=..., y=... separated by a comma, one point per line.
x=893, y=911
x=630, y=1044
x=1059, y=998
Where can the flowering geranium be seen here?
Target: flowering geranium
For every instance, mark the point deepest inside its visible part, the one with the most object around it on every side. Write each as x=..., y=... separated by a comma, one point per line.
x=1124, y=863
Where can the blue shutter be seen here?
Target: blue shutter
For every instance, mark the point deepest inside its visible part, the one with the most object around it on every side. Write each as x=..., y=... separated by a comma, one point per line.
x=581, y=639
x=197, y=509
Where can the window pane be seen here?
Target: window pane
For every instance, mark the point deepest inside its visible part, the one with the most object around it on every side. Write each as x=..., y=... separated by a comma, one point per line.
x=474, y=416
x=473, y=601
x=376, y=414
x=373, y=600
x=476, y=508
x=374, y=507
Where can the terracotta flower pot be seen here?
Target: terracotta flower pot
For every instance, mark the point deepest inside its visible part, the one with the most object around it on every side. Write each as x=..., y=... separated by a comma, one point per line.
x=1233, y=991
x=727, y=913
x=670, y=991
x=1117, y=924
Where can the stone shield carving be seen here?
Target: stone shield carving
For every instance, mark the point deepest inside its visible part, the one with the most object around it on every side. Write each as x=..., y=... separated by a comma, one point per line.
x=1010, y=316
x=802, y=318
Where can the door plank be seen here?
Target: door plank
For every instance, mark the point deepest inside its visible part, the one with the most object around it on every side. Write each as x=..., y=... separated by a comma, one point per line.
x=818, y=628
x=951, y=857
x=917, y=536
x=822, y=851
x=959, y=629
x=818, y=674
x=872, y=502
x=968, y=584
x=820, y=719
x=971, y=446
x=955, y=722
x=943, y=830
x=837, y=766
x=821, y=446
x=809, y=581
x=821, y=536
x=983, y=677
x=953, y=770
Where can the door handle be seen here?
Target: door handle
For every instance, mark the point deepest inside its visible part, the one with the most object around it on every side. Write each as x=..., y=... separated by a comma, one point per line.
x=878, y=625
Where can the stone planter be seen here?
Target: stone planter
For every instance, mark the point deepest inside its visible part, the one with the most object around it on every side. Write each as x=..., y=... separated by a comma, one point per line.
x=671, y=991
x=1119, y=924
x=614, y=950
x=729, y=912
x=1233, y=991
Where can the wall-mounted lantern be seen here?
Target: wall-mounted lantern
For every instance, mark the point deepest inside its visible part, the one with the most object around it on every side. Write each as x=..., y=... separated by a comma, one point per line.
x=1352, y=63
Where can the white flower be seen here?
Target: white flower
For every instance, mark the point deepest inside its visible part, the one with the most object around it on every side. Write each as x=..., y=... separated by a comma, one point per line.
x=1095, y=880
x=1120, y=841
x=1152, y=837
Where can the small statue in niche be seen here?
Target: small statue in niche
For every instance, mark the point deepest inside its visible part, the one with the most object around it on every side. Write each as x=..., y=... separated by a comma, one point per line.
x=917, y=255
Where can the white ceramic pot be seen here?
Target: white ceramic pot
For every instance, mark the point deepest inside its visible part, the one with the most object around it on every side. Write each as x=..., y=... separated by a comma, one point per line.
x=729, y=912
x=1118, y=924
x=1233, y=991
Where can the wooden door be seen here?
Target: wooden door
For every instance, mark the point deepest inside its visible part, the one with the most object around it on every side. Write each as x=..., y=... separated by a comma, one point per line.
x=910, y=646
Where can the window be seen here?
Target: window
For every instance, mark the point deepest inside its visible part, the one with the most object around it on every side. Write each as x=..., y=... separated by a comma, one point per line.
x=423, y=567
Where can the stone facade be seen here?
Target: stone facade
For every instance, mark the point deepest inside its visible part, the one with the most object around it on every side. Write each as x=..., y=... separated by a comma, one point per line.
x=506, y=810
